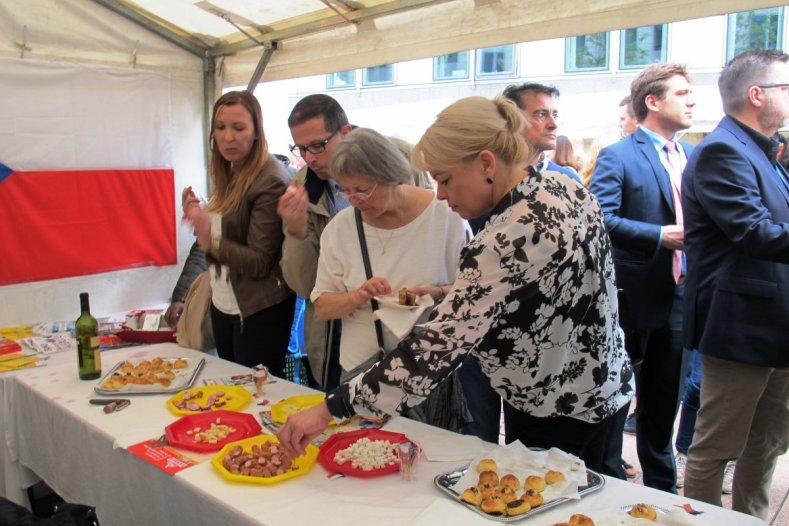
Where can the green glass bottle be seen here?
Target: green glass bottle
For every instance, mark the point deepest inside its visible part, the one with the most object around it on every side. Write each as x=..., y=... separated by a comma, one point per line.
x=86, y=331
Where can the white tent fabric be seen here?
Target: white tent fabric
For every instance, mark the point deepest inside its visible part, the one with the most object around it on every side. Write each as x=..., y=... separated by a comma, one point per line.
x=79, y=31
x=205, y=45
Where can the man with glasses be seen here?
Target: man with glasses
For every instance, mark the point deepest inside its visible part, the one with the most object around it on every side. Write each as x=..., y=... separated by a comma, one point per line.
x=538, y=104
x=736, y=203
x=317, y=124
x=637, y=181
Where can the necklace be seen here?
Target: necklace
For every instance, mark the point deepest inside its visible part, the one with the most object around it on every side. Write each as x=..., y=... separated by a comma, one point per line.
x=381, y=240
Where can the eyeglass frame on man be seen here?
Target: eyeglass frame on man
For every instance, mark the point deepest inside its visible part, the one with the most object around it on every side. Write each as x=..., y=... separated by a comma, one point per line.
x=320, y=146
x=766, y=86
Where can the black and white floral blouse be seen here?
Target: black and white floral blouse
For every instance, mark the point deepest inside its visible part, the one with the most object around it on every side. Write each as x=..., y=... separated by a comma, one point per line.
x=534, y=301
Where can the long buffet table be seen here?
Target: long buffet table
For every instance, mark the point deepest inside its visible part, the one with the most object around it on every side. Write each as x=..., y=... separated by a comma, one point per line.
x=52, y=432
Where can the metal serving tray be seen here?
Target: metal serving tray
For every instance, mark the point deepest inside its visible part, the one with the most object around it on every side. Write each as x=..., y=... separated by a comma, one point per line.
x=184, y=378
x=446, y=482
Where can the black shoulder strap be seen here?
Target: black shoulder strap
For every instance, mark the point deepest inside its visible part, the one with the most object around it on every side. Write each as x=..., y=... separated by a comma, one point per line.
x=368, y=272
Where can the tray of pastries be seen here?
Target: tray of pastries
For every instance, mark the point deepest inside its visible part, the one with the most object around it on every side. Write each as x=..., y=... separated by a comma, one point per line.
x=158, y=375
x=506, y=496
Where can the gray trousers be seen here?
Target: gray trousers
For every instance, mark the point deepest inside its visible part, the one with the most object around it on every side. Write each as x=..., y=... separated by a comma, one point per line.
x=744, y=416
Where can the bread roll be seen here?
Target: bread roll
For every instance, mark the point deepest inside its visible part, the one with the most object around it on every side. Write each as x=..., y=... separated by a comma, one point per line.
x=487, y=464
x=643, y=511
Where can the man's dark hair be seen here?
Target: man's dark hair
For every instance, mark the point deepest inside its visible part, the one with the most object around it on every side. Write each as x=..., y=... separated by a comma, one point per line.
x=626, y=103
x=514, y=92
x=747, y=69
x=318, y=105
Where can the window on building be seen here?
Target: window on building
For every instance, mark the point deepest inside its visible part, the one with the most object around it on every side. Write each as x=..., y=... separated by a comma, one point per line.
x=586, y=52
x=378, y=75
x=496, y=61
x=641, y=46
x=451, y=67
x=760, y=29
x=341, y=80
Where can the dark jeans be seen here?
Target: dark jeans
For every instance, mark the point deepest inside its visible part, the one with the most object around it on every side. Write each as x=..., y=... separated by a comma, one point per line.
x=263, y=338
x=482, y=401
x=690, y=404
x=658, y=385
x=595, y=444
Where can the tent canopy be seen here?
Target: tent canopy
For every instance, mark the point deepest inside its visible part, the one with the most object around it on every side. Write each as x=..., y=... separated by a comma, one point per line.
x=311, y=37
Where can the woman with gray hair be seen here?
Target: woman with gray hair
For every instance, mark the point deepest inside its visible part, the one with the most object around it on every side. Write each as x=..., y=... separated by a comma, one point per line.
x=413, y=241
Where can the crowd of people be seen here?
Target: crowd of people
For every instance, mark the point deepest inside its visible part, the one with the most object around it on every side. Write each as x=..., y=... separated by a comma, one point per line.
x=649, y=266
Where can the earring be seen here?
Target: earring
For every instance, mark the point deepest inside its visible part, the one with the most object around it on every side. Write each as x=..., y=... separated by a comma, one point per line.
x=489, y=180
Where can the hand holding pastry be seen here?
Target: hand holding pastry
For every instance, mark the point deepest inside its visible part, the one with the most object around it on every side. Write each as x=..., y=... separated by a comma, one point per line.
x=301, y=427
x=292, y=208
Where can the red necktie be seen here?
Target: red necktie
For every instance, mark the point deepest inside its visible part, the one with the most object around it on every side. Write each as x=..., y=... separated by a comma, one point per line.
x=676, y=177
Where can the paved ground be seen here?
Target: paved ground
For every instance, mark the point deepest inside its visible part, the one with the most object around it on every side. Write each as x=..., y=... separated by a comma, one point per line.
x=779, y=494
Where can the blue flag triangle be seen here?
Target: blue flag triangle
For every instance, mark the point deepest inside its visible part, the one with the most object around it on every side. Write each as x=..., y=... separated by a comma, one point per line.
x=5, y=171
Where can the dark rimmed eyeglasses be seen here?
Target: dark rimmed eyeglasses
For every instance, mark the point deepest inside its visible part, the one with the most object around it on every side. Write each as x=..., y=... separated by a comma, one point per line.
x=314, y=148
x=766, y=86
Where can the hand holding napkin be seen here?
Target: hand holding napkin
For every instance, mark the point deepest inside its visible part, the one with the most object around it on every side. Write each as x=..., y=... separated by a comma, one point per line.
x=400, y=319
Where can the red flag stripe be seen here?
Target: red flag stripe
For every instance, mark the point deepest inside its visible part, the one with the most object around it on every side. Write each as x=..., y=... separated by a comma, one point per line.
x=57, y=224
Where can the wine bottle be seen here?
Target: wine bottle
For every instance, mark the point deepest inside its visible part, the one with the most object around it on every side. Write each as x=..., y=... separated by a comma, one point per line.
x=86, y=331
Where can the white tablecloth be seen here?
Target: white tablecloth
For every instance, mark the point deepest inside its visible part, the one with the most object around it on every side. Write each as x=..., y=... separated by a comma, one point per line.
x=79, y=451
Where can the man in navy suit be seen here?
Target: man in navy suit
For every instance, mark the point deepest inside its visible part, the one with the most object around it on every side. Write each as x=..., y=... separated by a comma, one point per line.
x=637, y=182
x=736, y=203
x=538, y=104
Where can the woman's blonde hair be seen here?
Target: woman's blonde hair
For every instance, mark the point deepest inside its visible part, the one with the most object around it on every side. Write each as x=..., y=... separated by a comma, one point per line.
x=606, y=139
x=233, y=180
x=469, y=126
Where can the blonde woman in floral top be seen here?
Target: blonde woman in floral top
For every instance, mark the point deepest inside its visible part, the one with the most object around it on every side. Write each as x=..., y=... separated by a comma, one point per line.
x=534, y=299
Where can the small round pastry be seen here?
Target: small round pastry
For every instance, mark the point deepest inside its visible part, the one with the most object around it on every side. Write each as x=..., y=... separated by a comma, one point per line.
x=554, y=477
x=493, y=505
x=506, y=494
x=487, y=464
x=533, y=497
x=488, y=477
x=471, y=495
x=643, y=511
x=517, y=507
x=486, y=490
x=534, y=482
x=581, y=520
x=561, y=524
x=510, y=481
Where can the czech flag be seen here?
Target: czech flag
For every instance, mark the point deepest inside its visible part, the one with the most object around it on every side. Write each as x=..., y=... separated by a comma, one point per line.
x=85, y=183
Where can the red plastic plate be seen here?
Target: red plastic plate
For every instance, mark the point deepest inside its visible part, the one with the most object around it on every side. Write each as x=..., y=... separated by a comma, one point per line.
x=245, y=426
x=340, y=441
x=132, y=335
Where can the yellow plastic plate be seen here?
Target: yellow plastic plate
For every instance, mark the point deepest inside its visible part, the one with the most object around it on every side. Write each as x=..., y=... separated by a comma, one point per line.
x=235, y=397
x=304, y=463
x=284, y=408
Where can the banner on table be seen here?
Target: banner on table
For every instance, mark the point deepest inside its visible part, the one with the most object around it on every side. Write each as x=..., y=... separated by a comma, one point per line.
x=86, y=183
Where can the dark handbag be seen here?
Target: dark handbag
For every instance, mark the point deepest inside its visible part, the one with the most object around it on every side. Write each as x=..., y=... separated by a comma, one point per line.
x=63, y=514
x=445, y=406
